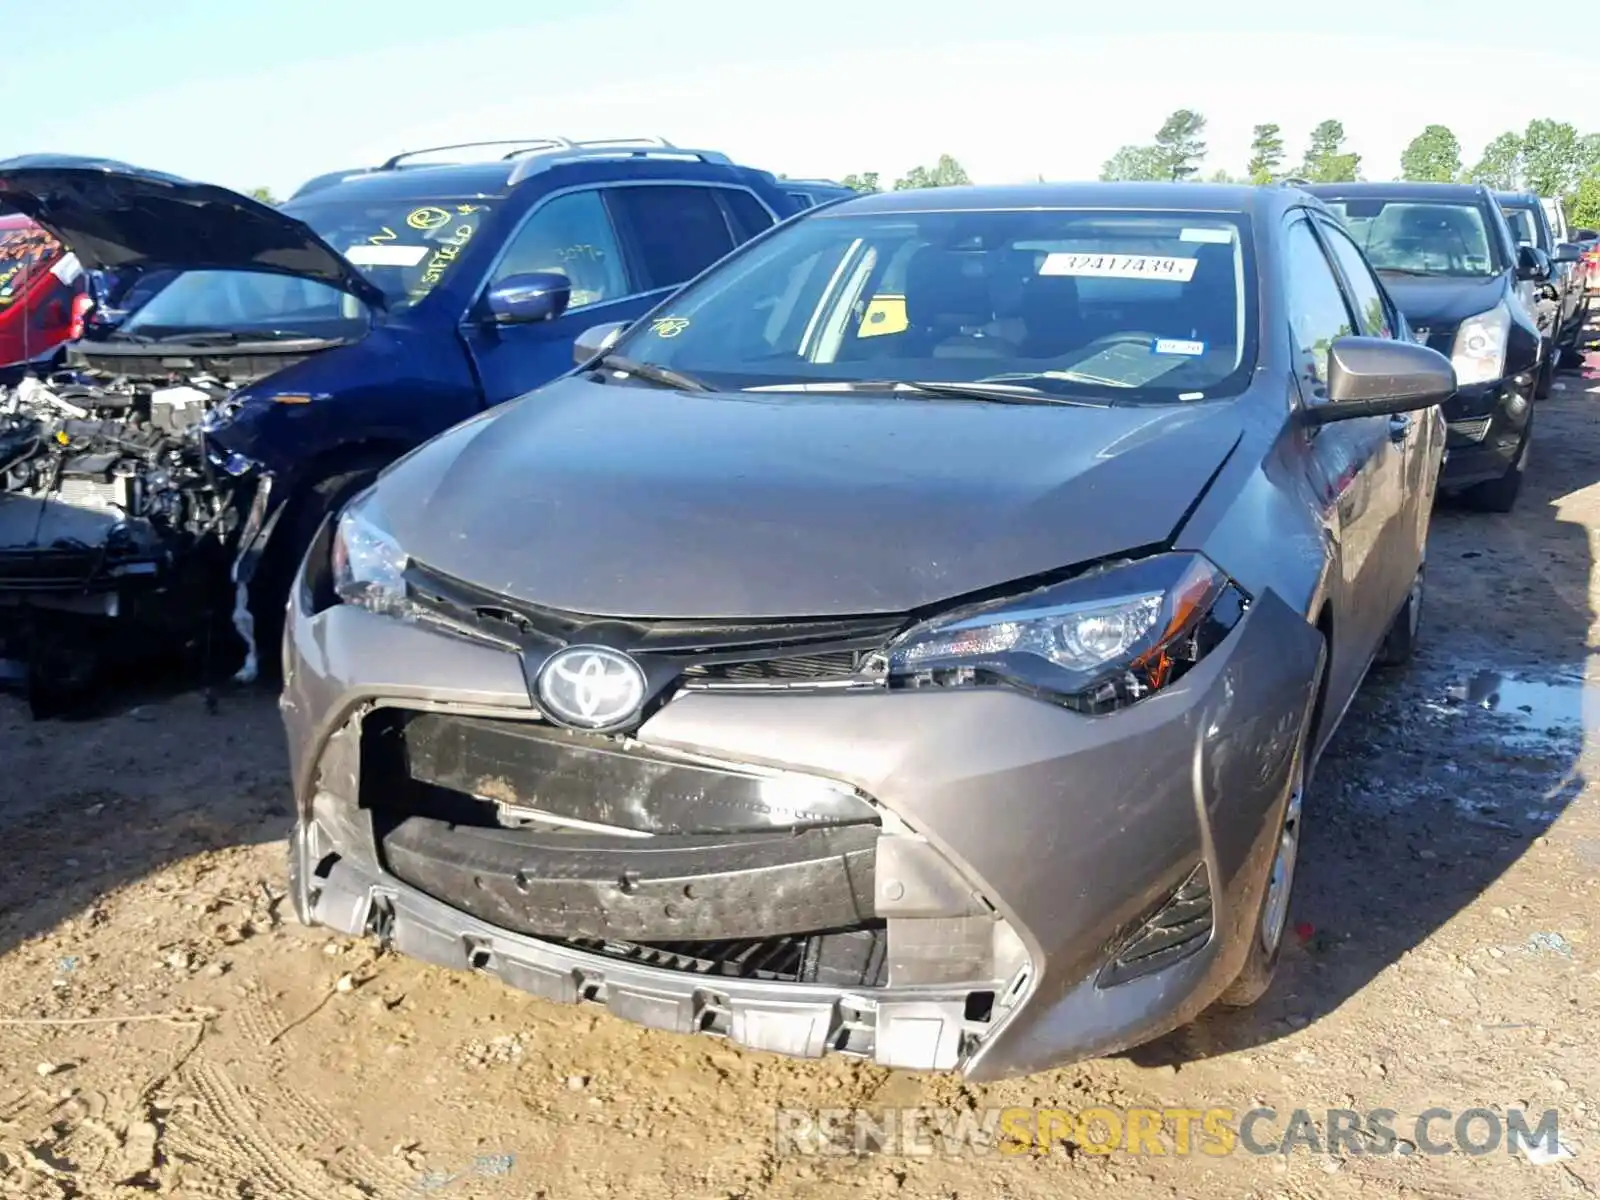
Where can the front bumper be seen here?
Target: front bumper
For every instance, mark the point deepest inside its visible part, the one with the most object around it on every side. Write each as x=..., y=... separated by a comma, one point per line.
x=1042, y=886
x=1485, y=426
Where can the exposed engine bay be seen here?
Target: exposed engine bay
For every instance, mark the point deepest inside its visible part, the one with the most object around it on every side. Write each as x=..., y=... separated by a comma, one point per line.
x=113, y=470
x=117, y=525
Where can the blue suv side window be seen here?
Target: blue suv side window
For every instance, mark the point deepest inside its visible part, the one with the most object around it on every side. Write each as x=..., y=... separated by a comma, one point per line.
x=570, y=235
x=675, y=230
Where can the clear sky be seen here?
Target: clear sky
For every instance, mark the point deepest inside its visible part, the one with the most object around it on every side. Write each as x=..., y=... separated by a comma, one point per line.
x=244, y=94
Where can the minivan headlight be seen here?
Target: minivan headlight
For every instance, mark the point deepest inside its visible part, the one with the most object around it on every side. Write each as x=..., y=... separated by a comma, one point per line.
x=1098, y=642
x=1479, y=352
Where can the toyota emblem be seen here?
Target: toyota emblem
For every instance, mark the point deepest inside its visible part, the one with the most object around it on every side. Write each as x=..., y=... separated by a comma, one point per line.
x=591, y=687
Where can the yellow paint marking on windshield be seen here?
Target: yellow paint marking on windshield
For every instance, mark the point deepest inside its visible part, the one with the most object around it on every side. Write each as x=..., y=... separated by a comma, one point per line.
x=884, y=314
x=669, y=327
x=465, y=209
x=447, y=253
x=428, y=217
x=383, y=235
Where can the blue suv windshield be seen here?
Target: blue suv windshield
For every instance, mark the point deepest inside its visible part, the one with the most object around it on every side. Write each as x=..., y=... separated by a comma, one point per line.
x=405, y=246
x=247, y=303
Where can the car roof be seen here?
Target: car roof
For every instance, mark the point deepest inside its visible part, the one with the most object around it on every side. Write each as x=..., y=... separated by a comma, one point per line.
x=1399, y=189
x=501, y=174
x=1519, y=200
x=1244, y=199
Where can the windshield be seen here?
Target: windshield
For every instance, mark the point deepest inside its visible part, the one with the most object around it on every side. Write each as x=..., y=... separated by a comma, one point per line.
x=25, y=251
x=1422, y=238
x=404, y=246
x=1121, y=307
x=1523, y=226
x=249, y=304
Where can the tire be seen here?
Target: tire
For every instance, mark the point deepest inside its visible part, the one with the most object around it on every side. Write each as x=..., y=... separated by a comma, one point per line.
x=1500, y=495
x=1400, y=643
x=269, y=589
x=1268, y=930
x=1545, y=381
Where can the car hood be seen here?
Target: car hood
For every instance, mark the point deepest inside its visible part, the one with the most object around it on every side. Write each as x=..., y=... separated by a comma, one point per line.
x=1438, y=302
x=117, y=216
x=624, y=501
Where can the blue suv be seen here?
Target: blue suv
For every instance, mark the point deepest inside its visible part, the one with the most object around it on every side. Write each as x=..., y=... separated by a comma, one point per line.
x=316, y=342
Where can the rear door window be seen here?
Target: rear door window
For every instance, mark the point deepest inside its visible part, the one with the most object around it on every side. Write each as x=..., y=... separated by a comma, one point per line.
x=747, y=214
x=674, y=231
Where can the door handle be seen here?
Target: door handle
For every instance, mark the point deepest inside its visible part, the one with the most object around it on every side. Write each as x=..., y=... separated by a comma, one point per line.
x=1399, y=426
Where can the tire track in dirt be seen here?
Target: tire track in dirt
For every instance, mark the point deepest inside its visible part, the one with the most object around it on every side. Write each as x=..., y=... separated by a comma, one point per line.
x=251, y=1132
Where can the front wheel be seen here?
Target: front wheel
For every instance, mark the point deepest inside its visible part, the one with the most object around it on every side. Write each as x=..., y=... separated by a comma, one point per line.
x=1272, y=921
x=1545, y=381
x=1500, y=495
x=1401, y=641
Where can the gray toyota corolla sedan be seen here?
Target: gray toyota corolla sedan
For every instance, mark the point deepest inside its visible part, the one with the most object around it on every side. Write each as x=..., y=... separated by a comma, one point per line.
x=913, y=639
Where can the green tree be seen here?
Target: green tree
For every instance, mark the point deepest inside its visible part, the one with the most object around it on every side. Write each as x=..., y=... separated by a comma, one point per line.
x=263, y=194
x=1551, y=157
x=1221, y=175
x=1135, y=163
x=1588, y=155
x=1266, y=154
x=1180, y=144
x=947, y=172
x=1584, y=211
x=1434, y=156
x=867, y=181
x=1327, y=161
x=1501, y=164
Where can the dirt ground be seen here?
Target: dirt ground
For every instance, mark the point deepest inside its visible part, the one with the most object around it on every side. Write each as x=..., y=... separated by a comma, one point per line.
x=166, y=1026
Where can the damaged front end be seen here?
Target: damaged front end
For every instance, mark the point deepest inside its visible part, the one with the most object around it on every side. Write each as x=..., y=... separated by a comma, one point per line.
x=121, y=524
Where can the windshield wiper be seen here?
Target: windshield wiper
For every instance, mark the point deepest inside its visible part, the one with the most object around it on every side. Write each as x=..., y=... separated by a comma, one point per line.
x=1405, y=271
x=228, y=337
x=665, y=376
x=991, y=392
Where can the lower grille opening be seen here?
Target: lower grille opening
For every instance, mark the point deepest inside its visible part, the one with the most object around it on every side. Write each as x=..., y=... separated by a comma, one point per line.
x=838, y=958
x=1180, y=927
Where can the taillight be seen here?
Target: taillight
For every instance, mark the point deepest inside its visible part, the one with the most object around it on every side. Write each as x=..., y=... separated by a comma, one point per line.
x=81, y=306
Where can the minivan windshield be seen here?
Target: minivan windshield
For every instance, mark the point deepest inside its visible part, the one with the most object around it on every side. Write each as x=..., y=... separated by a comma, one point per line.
x=1115, y=306
x=248, y=304
x=404, y=246
x=1411, y=237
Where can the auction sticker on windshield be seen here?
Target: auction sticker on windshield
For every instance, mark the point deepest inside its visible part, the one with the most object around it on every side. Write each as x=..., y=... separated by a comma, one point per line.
x=386, y=256
x=1160, y=267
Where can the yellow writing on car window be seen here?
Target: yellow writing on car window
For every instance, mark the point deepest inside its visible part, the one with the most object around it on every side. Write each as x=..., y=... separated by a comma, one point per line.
x=669, y=327
x=465, y=209
x=428, y=217
x=449, y=250
x=383, y=235
x=581, y=252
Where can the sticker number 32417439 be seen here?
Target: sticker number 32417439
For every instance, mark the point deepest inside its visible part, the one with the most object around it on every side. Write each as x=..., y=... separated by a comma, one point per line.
x=1157, y=267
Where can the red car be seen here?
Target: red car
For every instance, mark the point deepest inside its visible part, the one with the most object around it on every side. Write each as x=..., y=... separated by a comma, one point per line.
x=39, y=282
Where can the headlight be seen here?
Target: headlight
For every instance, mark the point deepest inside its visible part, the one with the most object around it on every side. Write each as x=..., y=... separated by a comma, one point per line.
x=1095, y=643
x=1479, y=353
x=368, y=565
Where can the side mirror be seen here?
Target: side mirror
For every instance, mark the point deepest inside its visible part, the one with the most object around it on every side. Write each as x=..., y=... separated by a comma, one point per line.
x=596, y=340
x=1370, y=377
x=1566, y=252
x=524, y=299
x=1533, y=263
x=1584, y=235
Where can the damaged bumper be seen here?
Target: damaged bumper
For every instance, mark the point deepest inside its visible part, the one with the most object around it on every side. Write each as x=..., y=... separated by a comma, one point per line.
x=969, y=880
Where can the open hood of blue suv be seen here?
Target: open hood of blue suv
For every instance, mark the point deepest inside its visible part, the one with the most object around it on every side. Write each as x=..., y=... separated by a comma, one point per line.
x=115, y=216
